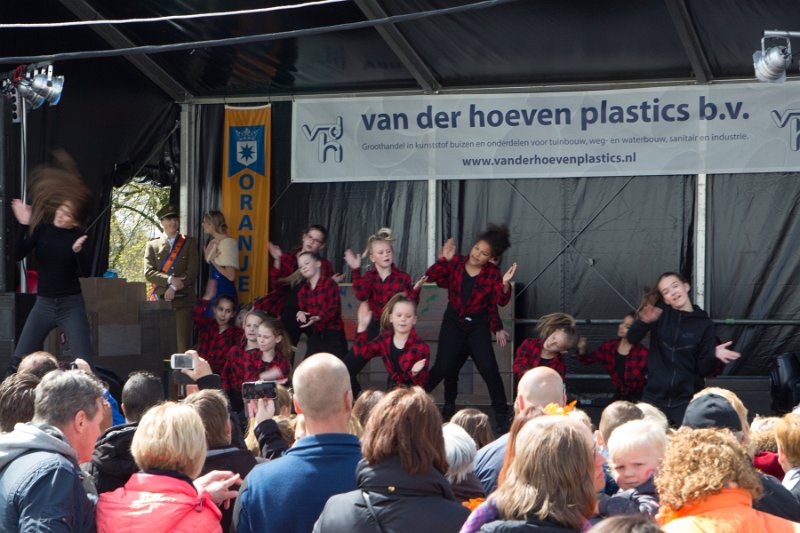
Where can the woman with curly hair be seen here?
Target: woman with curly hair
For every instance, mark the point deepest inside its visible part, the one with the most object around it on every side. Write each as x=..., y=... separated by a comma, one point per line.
x=707, y=483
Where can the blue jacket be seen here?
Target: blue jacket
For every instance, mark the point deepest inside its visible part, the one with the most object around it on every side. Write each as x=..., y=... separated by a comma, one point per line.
x=41, y=484
x=489, y=462
x=288, y=494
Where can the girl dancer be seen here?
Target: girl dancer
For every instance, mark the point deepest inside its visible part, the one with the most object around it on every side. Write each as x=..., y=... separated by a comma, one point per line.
x=222, y=256
x=217, y=335
x=320, y=307
x=475, y=286
x=282, y=298
x=271, y=365
x=51, y=230
x=556, y=335
x=239, y=359
x=404, y=354
x=682, y=345
x=376, y=286
x=626, y=363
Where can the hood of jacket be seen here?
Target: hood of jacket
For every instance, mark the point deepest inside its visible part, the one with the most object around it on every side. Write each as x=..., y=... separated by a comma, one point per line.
x=390, y=473
x=31, y=437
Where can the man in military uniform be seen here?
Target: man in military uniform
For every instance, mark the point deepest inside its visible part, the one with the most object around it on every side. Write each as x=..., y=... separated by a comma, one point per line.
x=171, y=264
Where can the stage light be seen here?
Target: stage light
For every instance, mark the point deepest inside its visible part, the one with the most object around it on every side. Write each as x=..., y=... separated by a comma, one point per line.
x=48, y=87
x=25, y=90
x=770, y=65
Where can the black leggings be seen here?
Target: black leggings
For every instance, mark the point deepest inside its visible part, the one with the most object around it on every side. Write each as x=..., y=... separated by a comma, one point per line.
x=328, y=341
x=457, y=341
x=356, y=364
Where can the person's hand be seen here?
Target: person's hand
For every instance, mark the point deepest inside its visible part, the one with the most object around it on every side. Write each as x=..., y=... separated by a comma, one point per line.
x=419, y=366
x=338, y=277
x=726, y=355
x=302, y=316
x=275, y=251
x=448, y=250
x=352, y=260
x=502, y=337
x=77, y=246
x=169, y=295
x=582, y=345
x=178, y=283
x=262, y=409
x=22, y=211
x=364, y=317
x=311, y=320
x=217, y=484
x=201, y=367
x=419, y=283
x=509, y=275
x=650, y=314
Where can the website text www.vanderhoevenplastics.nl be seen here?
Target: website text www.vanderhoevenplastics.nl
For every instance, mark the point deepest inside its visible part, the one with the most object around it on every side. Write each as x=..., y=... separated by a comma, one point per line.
x=536, y=159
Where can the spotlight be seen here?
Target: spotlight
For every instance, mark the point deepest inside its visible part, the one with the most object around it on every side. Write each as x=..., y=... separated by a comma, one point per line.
x=25, y=90
x=770, y=64
x=48, y=87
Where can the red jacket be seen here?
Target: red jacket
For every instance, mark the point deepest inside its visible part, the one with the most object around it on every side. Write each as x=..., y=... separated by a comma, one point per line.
x=529, y=355
x=370, y=288
x=399, y=371
x=212, y=345
x=150, y=503
x=486, y=295
x=272, y=303
x=635, y=365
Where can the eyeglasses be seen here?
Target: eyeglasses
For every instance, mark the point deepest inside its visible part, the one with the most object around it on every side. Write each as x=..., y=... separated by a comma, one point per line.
x=314, y=240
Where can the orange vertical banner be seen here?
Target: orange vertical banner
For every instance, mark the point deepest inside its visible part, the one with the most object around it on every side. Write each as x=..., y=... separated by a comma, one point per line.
x=245, y=194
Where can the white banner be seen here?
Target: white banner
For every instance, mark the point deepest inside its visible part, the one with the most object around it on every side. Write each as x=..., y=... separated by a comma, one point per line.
x=670, y=130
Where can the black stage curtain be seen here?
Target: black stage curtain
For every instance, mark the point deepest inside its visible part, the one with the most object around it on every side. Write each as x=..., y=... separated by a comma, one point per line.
x=754, y=267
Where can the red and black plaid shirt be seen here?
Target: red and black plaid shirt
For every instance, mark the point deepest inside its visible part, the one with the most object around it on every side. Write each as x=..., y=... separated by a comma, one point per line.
x=529, y=355
x=487, y=293
x=635, y=365
x=235, y=370
x=273, y=302
x=323, y=301
x=212, y=345
x=370, y=288
x=399, y=371
x=254, y=367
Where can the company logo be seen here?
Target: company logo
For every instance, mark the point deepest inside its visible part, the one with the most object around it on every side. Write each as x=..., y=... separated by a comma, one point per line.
x=792, y=117
x=327, y=135
x=246, y=149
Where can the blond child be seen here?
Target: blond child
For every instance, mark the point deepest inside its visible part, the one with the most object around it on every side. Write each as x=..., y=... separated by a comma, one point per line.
x=635, y=451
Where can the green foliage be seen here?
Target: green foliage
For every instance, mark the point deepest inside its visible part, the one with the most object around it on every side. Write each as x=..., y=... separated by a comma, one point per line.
x=133, y=223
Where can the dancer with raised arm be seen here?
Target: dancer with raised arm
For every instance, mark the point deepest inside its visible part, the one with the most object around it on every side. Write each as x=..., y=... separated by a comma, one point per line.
x=475, y=287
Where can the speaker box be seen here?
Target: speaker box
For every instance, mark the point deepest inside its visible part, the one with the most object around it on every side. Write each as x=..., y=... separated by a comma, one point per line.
x=754, y=391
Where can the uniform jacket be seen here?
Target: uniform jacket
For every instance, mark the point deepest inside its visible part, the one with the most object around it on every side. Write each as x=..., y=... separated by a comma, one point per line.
x=41, y=483
x=187, y=264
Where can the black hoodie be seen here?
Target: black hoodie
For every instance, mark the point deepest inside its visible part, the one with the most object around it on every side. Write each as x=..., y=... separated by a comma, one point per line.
x=682, y=353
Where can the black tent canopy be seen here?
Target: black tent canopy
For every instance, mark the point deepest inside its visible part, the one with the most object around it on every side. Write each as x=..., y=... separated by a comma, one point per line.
x=118, y=113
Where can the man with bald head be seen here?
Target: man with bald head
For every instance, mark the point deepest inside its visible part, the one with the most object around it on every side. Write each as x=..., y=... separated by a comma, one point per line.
x=539, y=387
x=288, y=494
